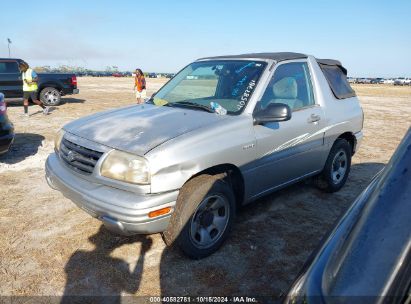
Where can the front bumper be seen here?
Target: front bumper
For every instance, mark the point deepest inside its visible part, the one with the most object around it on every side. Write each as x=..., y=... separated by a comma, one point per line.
x=122, y=211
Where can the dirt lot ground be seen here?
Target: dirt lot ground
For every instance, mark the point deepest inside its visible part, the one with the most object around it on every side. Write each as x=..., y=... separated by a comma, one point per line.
x=50, y=247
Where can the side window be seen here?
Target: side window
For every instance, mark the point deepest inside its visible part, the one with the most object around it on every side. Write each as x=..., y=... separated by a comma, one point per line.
x=8, y=67
x=291, y=85
x=338, y=81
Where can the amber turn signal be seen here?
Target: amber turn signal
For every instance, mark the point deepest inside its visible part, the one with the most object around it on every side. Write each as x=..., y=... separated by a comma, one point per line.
x=159, y=212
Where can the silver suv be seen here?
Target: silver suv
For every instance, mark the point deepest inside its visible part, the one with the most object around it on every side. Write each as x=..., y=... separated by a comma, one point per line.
x=221, y=133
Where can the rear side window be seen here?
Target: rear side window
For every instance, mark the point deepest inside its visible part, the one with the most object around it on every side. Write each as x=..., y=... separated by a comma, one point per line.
x=9, y=67
x=338, y=81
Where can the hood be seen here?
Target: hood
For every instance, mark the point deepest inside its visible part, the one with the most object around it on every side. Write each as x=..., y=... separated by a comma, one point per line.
x=138, y=129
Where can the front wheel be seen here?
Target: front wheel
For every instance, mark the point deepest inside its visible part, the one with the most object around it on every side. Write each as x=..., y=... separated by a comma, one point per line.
x=204, y=214
x=50, y=96
x=337, y=167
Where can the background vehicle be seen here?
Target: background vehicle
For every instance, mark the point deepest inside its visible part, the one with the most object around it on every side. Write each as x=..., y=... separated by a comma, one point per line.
x=377, y=80
x=51, y=86
x=402, y=81
x=367, y=257
x=388, y=81
x=222, y=133
x=363, y=80
x=6, y=127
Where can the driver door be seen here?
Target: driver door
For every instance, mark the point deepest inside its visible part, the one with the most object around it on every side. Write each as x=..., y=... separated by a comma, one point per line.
x=288, y=150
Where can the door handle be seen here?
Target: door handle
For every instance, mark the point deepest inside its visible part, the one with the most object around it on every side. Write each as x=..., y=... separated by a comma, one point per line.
x=314, y=118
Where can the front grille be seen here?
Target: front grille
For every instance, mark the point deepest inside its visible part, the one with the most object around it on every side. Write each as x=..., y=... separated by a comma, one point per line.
x=79, y=158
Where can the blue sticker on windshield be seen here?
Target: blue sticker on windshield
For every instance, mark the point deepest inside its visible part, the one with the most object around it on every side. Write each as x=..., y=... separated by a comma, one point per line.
x=238, y=85
x=250, y=64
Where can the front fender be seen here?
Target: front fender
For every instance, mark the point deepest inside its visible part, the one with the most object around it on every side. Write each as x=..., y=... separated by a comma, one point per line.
x=173, y=163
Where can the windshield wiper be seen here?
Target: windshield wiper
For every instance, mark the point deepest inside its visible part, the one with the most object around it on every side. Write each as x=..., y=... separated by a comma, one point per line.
x=193, y=105
x=168, y=105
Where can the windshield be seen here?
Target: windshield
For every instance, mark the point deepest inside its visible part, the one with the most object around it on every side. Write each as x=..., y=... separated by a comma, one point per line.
x=220, y=83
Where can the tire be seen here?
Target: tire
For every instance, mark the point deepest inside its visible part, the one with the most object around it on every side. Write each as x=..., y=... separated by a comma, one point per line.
x=50, y=96
x=203, y=217
x=337, y=167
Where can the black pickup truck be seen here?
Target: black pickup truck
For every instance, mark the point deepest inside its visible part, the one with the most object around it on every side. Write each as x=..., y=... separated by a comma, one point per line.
x=51, y=85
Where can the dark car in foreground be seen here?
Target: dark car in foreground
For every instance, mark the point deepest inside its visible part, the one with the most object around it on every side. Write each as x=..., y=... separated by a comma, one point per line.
x=51, y=85
x=367, y=257
x=6, y=127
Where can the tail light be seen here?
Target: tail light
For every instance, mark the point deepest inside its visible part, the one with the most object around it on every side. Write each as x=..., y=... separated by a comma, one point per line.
x=74, y=80
x=3, y=107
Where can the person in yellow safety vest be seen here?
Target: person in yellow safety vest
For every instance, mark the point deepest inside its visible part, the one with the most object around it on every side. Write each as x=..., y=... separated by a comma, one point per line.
x=30, y=88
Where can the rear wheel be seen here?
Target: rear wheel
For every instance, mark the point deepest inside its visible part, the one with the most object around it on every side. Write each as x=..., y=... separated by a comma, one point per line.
x=204, y=214
x=337, y=167
x=50, y=96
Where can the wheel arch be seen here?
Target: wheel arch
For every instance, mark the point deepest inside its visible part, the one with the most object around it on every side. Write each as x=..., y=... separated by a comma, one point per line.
x=50, y=85
x=350, y=137
x=234, y=177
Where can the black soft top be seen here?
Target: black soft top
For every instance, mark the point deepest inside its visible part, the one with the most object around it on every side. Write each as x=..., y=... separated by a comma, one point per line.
x=279, y=56
x=331, y=62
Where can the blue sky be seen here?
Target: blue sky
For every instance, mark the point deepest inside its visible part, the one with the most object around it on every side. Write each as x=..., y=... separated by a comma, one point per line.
x=371, y=38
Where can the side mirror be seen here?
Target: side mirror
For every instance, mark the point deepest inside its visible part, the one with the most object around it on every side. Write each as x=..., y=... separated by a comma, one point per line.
x=273, y=113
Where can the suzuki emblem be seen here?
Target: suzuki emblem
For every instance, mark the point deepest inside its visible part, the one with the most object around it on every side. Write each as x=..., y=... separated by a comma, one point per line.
x=71, y=156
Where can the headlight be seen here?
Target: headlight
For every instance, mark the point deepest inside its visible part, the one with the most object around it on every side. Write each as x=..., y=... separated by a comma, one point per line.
x=125, y=167
x=58, y=138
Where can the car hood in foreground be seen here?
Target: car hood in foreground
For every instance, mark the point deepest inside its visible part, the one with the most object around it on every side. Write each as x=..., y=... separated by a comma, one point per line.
x=138, y=129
